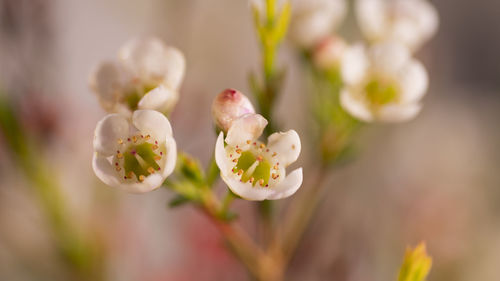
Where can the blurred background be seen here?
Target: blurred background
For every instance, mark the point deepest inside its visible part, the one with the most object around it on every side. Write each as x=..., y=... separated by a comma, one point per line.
x=434, y=179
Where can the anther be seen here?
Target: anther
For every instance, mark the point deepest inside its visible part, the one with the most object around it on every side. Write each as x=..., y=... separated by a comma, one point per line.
x=249, y=141
x=238, y=151
x=251, y=179
x=118, y=169
x=142, y=178
x=120, y=141
x=259, y=158
x=119, y=156
x=128, y=139
x=147, y=137
x=274, y=154
x=275, y=167
x=261, y=182
x=157, y=158
x=151, y=170
x=154, y=147
x=134, y=138
x=262, y=145
x=235, y=160
x=267, y=150
x=240, y=172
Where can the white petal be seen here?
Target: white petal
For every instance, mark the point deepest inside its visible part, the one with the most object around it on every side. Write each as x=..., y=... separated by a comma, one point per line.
x=247, y=127
x=355, y=106
x=413, y=81
x=160, y=99
x=329, y=52
x=220, y=155
x=107, y=132
x=372, y=18
x=152, y=61
x=286, y=145
x=175, y=63
x=354, y=64
x=415, y=22
x=171, y=159
x=106, y=82
x=288, y=186
x=153, y=123
x=389, y=57
x=398, y=113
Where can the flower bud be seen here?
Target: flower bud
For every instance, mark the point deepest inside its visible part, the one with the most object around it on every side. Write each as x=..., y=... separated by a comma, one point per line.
x=228, y=106
x=329, y=52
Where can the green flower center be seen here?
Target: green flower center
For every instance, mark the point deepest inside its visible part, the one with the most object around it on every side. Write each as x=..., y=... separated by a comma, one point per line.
x=133, y=97
x=138, y=158
x=255, y=165
x=380, y=92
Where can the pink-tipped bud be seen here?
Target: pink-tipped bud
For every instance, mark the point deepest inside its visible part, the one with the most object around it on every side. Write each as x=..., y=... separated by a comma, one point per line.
x=328, y=53
x=228, y=106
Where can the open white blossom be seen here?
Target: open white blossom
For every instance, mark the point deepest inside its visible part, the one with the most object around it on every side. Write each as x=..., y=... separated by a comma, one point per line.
x=313, y=20
x=228, y=106
x=411, y=22
x=254, y=170
x=382, y=84
x=147, y=75
x=135, y=155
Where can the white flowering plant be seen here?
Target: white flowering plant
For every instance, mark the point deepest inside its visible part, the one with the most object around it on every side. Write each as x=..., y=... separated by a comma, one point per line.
x=353, y=85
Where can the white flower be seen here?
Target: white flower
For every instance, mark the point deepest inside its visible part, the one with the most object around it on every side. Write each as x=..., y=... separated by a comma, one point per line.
x=253, y=170
x=328, y=54
x=147, y=75
x=136, y=156
x=313, y=20
x=229, y=106
x=411, y=22
x=384, y=84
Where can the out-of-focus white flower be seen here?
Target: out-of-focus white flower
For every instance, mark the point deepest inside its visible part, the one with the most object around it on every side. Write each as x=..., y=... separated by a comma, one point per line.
x=328, y=54
x=313, y=20
x=135, y=155
x=253, y=170
x=411, y=22
x=384, y=84
x=147, y=75
x=228, y=106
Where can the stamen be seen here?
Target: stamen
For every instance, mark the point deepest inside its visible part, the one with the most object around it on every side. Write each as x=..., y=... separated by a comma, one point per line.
x=119, y=156
x=235, y=160
x=154, y=147
x=249, y=141
x=134, y=138
x=275, y=167
x=259, y=158
x=240, y=172
x=238, y=151
x=267, y=150
x=118, y=169
x=262, y=145
x=251, y=180
x=142, y=178
x=157, y=158
x=151, y=170
x=274, y=154
x=128, y=139
x=147, y=137
x=261, y=182
x=120, y=141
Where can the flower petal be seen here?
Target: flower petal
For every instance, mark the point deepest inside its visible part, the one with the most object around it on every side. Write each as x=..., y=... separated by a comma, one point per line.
x=413, y=81
x=354, y=64
x=107, y=132
x=175, y=63
x=160, y=98
x=372, y=18
x=220, y=154
x=288, y=186
x=356, y=107
x=247, y=127
x=389, y=57
x=106, y=82
x=246, y=190
x=398, y=112
x=153, y=123
x=286, y=145
x=171, y=159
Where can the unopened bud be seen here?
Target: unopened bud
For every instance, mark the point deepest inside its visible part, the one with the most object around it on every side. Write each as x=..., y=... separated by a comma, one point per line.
x=329, y=52
x=229, y=106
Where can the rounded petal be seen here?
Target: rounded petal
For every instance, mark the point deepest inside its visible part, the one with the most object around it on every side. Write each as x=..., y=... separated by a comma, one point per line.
x=220, y=154
x=246, y=190
x=288, y=186
x=107, y=132
x=389, y=57
x=171, y=158
x=328, y=53
x=413, y=81
x=175, y=63
x=106, y=173
x=398, y=112
x=286, y=145
x=106, y=82
x=356, y=107
x=153, y=123
x=416, y=22
x=354, y=64
x=372, y=18
x=161, y=98
x=247, y=127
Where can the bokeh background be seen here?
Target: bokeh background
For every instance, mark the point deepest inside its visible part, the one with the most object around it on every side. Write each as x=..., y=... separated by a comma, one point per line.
x=434, y=179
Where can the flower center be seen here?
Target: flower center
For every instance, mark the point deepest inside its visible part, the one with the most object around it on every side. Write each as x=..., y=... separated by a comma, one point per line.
x=381, y=92
x=255, y=165
x=133, y=97
x=138, y=157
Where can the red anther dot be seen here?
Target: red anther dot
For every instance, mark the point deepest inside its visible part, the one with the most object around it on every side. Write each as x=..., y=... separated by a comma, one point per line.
x=161, y=153
x=156, y=142
x=116, y=164
x=118, y=151
x=128, y=139
x=254, y=143
x=125, y=177
x=267, y=150
x=267, y=185
x=133, y=152
x=158, y=169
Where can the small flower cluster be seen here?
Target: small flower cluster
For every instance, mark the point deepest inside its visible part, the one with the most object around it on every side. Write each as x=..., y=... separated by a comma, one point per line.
x=134, y=146
x=381, y=82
